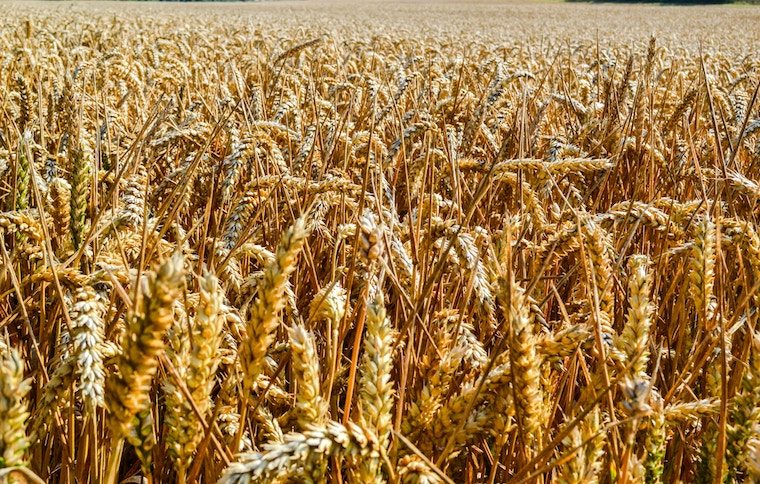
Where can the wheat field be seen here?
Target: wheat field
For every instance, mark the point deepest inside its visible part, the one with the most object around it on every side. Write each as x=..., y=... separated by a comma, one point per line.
x=363, y=243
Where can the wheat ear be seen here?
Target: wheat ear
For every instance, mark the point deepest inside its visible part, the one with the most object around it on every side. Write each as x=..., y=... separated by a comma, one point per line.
x=197, y=362
x=264, y=313
x=87, y=338
x=702, y=271
x=81, y=166
x=13, y=409
x=524, y=359
x=310, y=407
x=375, y=386
x=299, y=452
x=634, y=338
x=128, y=391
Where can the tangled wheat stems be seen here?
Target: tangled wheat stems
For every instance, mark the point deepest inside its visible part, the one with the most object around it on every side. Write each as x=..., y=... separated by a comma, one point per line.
x=271, y=245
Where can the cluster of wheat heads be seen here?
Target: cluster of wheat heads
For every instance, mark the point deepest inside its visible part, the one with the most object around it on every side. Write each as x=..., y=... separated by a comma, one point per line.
x=228, y=255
